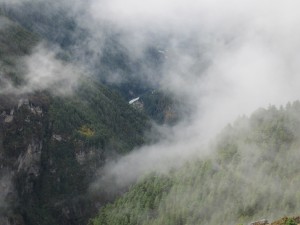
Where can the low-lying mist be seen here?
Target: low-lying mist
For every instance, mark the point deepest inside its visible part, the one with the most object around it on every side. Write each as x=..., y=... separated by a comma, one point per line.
x=42, y=70
x=224, y=59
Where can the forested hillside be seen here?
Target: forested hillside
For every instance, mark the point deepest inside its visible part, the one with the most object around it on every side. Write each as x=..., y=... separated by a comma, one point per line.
x=15, y=42
x=52, y=144
x=115, y=112
x=109, y=61
x=252, y=174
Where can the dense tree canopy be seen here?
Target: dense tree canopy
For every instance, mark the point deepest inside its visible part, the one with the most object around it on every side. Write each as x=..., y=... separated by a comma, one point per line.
x=252, y=174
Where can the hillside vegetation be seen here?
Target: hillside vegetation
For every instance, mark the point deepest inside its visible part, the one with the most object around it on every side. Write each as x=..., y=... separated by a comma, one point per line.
x=51, y=146
x=77, y=135
x=15, y=42
x=252, y=173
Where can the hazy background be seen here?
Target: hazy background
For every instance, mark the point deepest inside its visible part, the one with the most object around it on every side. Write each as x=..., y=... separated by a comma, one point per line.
x=224, y=59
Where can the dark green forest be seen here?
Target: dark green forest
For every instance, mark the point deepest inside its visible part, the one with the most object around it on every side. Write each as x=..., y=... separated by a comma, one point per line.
x=55, y=144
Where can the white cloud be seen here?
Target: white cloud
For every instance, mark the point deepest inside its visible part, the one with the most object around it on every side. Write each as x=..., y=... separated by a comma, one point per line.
x=226, y=58
x=43, y=71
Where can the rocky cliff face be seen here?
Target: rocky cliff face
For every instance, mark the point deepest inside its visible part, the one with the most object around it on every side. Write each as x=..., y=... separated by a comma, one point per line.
x=51, y=146
x=23, y=127
x=45, y=168
x=21, y=132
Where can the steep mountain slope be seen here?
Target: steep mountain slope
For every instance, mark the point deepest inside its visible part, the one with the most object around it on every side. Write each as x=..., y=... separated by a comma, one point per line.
x=51, y=146
x=253, y=173
x=103, y=52
x=46, y=19
x=15, y=42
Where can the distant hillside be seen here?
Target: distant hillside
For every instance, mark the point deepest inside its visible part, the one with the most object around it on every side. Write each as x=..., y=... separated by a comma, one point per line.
x=252, y=173
x=15, y=42
x=106, y=57
x=44, y=19
x=51, y=146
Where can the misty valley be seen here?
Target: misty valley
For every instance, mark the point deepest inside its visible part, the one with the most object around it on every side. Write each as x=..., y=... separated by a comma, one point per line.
x=165, y=112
